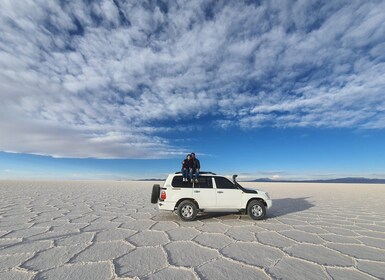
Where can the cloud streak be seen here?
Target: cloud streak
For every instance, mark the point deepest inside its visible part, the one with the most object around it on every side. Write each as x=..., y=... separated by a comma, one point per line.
x=108, y=79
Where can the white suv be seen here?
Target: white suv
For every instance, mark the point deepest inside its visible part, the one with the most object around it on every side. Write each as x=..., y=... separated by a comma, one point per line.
x=212, y=193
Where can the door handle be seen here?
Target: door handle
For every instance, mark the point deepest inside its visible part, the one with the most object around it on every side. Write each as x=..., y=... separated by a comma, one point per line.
x=219, y=191
x=197, y=191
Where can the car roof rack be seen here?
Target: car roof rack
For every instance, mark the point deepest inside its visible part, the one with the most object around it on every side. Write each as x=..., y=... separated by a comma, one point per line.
x=200, y=172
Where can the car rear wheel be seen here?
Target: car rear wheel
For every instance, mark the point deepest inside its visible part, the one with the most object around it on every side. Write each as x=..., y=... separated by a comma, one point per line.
x=155, y=193
x=256, y=210
x=187, y=210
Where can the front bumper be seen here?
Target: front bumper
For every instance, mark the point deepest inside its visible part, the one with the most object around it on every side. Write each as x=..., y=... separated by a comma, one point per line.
x=269, y=203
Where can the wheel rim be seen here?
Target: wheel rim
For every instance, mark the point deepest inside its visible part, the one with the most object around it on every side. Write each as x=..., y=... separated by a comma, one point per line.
x=256, y=210
x=187, y=211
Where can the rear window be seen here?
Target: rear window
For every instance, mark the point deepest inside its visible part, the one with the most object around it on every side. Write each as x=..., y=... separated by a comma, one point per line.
x=224, y=183
x=177, y=182
x=204, y=183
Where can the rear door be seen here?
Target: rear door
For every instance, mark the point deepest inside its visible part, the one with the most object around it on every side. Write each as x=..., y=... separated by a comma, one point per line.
x=228, y=195
x=204, y=193
x=180, y=189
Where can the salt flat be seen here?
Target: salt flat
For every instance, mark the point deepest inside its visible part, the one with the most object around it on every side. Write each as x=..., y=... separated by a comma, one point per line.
x=110, y=230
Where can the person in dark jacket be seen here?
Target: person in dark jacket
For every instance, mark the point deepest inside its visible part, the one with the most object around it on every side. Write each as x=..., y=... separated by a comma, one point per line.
x=195, y=167
x=186, y=166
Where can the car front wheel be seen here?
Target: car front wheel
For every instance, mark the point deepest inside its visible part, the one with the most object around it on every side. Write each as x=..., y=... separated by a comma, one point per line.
x=256, y=210
x=187, y=210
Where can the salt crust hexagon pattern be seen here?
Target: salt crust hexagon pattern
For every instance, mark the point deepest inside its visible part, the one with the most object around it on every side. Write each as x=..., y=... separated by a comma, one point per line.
x=110, y=230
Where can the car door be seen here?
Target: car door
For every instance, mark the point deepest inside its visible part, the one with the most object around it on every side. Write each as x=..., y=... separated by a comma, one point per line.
x=228, y=195
x=204, y=193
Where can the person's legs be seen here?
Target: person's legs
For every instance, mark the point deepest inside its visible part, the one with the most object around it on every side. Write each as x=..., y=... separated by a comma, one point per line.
x=191, y=174
x=196, y=175
x=184, y=172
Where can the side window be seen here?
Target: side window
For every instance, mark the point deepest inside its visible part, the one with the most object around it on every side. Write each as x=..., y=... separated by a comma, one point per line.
x=224, y=183
x=204, y=182
x=177, y=182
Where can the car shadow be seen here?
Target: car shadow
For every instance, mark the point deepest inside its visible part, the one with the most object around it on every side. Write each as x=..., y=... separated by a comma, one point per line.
x=211, y=215
x=285, y=206
x=281, y=207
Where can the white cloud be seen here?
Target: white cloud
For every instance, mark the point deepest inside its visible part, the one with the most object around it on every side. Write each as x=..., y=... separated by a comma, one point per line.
x=111, y=77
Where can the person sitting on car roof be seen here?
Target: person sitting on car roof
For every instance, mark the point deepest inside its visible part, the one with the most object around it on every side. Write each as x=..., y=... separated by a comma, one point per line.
x=195, y=167
x=186, y=166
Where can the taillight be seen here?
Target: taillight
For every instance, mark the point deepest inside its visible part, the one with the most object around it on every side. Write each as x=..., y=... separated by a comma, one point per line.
x=163, y=195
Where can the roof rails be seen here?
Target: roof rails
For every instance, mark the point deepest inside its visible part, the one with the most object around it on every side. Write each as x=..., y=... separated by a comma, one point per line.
x=201, y=172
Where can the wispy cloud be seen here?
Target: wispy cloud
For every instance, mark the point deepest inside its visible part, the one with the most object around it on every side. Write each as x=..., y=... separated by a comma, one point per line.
x=293, y=176
x=108, y=78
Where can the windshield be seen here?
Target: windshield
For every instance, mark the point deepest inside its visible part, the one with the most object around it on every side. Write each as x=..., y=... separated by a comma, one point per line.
x=238, y=185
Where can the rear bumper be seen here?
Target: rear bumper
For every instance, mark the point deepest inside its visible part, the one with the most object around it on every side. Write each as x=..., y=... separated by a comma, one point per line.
x=166, y=205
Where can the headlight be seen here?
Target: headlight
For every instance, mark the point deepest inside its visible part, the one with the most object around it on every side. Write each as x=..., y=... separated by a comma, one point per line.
x=267, y=195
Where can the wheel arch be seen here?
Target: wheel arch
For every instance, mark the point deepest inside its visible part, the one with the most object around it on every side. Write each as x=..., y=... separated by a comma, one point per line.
x=186, y=198
x=252, y=199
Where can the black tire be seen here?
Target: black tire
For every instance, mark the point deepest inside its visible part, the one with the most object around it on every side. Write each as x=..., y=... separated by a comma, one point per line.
x=256, y=210
x=187, y=210
x=155, y=193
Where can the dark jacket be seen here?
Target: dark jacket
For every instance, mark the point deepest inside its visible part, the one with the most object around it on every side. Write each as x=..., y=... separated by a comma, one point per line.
x=186, y=164
x=196, y=164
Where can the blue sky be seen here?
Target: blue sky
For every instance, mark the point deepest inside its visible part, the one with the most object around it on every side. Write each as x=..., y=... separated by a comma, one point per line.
x=124, y=89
